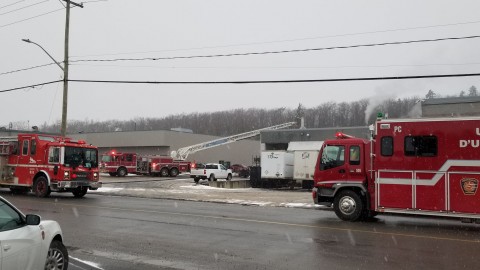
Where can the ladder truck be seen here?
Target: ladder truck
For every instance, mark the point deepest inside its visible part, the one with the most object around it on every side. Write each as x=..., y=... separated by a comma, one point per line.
x=182, y=153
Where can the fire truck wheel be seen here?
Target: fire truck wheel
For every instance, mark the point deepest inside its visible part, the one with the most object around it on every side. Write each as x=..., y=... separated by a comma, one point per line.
x=174, y=172
x=348, y=205
x=164, y=172
x=40, y=187
x=121, y=172
x=79, y=192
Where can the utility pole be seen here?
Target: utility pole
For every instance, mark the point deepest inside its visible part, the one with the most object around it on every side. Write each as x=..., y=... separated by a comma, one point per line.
x=65, y=67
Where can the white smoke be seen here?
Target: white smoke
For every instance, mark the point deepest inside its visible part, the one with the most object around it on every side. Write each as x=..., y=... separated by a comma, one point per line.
x=373, y=102
x=416, y=111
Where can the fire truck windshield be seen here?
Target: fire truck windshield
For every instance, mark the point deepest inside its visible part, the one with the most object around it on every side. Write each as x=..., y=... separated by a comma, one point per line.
x=76, y=156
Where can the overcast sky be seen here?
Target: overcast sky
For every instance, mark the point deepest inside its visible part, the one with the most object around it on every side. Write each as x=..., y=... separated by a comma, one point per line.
x=126, y=29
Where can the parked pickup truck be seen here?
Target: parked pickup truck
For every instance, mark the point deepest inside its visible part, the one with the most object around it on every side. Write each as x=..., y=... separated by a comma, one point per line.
x=210, y=171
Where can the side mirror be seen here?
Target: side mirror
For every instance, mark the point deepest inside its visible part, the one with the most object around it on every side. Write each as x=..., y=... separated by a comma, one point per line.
x=33, y=219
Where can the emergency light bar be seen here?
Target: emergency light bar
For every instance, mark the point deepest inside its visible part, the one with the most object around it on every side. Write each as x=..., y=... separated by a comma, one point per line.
x=341, y=135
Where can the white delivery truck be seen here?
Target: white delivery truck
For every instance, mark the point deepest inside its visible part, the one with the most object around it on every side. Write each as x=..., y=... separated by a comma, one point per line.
x=305, y=156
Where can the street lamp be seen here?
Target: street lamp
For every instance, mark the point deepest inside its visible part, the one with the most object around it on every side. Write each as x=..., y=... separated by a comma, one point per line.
x=65, y=63
x=63, y=130
x=51, y=57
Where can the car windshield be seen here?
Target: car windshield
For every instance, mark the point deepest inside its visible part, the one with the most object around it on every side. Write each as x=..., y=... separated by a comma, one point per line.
x=9, y=218
x=79, y=156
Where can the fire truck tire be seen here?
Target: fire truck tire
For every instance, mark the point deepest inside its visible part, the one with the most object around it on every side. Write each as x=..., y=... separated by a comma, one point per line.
x=348, y=205
x=164, y=172
x=40, y=187
x=121, y=172
x=173, y=172
x=79, y=192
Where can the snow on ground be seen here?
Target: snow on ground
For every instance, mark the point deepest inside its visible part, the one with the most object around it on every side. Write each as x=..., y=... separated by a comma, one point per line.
x=202, y=192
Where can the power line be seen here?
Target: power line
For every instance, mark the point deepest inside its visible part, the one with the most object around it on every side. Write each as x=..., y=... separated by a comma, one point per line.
x=277, y=52
x=282, y=67
x=24, y=69
x=292, y=40
x=23, y=20
x=258, y=82
x=287, y=81
x=29, y=86
x=12, y=4
x=254, y=53
x=25, y=7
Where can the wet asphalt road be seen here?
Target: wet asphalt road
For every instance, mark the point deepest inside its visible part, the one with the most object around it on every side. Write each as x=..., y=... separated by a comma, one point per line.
x=138, y=233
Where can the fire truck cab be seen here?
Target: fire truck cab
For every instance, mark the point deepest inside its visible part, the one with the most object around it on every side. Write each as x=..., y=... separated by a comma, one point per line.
x=409, y=166
x=46, y=163
x=119, y=164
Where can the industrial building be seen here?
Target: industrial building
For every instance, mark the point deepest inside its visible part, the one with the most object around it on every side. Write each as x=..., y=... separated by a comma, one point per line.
x=162, y=142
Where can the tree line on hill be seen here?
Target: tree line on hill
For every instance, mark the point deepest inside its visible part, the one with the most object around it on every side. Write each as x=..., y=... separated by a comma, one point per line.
x=224, y=123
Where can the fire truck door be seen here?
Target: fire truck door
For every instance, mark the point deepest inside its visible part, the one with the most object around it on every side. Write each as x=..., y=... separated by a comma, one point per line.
x=332, y=163
x=24, y=170
x=355, y=163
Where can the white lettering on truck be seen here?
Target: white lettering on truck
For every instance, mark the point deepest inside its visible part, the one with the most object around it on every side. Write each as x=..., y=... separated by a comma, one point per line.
x=472, y=143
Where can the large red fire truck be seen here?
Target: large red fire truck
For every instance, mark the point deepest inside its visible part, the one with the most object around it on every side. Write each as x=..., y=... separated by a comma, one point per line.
x=45, y=163
x=410, y=166
x=121, y=164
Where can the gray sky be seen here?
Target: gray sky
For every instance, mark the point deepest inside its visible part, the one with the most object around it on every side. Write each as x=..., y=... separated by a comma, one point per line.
x=151, y=28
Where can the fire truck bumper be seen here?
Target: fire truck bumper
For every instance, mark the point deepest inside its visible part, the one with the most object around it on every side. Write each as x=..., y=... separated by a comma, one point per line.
x=75, y=184
x=323, y=196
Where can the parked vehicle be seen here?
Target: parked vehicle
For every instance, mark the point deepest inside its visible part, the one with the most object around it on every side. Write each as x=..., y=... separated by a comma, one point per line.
x=122, y=164
x=241, y=170
x=409, y=166
x=210, y=171
x=29, y=243
x=46, y=163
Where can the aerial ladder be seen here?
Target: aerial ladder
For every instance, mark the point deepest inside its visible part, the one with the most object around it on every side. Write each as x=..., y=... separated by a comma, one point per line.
x=182, y=153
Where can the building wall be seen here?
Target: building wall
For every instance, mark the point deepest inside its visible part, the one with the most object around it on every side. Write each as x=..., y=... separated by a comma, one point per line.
x=163, y=142
x=310, y=134
x=451, y=107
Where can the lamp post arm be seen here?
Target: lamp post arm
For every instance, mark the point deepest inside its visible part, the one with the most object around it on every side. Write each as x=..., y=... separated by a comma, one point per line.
x=51, y=57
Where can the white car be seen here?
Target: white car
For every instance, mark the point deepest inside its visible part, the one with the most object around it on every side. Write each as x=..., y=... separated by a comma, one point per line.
x=29, y=243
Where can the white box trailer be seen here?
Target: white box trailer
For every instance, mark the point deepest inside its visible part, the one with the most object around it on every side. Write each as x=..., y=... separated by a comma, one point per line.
x=276, y=165
x=291, y=166
x=305, y=158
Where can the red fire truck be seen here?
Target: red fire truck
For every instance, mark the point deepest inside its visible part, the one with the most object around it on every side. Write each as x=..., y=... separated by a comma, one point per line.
x=121, y=164
x=410, y=166
x=45, y=163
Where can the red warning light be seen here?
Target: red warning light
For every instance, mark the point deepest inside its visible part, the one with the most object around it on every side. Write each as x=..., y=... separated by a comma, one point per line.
x=341, y=135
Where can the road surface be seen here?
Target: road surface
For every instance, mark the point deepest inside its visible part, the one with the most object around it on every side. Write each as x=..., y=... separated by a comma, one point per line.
x=115, y=232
